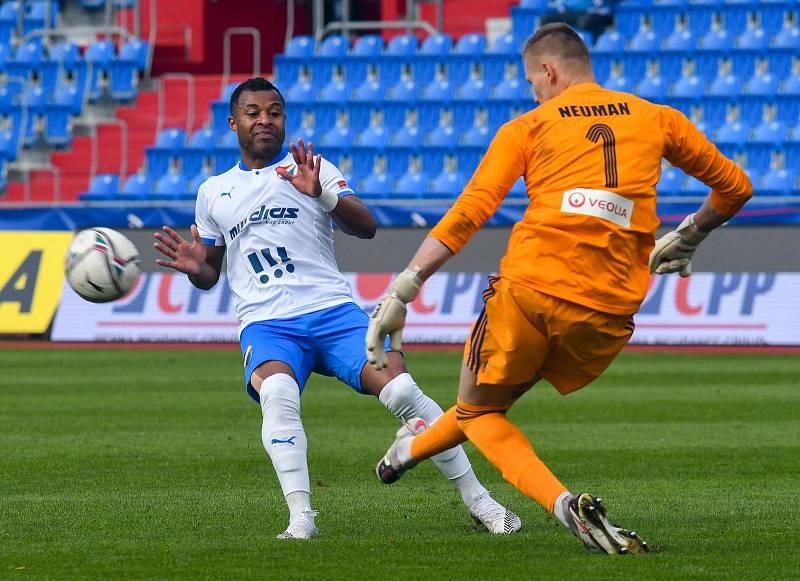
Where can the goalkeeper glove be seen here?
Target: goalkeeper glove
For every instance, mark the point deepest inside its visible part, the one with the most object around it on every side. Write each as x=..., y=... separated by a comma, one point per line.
x=389, y=316
x=674, y=250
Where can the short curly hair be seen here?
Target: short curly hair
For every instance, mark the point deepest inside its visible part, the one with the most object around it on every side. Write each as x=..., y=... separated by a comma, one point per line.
x=256, y=84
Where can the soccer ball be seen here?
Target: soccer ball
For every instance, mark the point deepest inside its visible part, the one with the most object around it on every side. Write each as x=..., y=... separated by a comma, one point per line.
x=102, y=265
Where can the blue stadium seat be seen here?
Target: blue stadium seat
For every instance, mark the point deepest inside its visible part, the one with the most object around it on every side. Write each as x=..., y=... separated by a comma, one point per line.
x=105, y=184
x=694, y=187
x=718, y=40
x=476, y=90
x=763, y=85
x=753, y=39
x=773, y=132
x=732, y=133
x=376, y=186
x=779, y=182
x=438, y=91
x=410, y=137
x=35, y=98
x=679, y=40
x=99, y=55
x=171, y=138
x=196, y=182
x=412, y=185
x=787, y=38
x=199, y=152
x=336, y=46
x=436, y=45
x=609, y=42
x=402, y=45
x=510, y=89
x=369, y=91
x=368, y=45
x=171, y=185
x=652, y=88
x=791, y=86
x=724, y=86
x=300, y=92
x=644, y=41
x=134, y=52
x=620, y=83
x=471, y=44
x=519, y=190
x=503, y=45
x=300, y=47
x=338, y=137
x=477, y=137
x=374, y=137
x=447, y=184
x=36, y=16
x=137, y=184
x=65, y=53
x=442, y=137
x=57, y=128
x=403, y=91
x=168, y=145
x=688, y=87
x=335, y=92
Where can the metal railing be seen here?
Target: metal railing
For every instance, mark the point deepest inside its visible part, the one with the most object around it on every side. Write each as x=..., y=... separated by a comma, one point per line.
x=123, y=142
x=320, y=29
x=226, y=51
x=162, y=100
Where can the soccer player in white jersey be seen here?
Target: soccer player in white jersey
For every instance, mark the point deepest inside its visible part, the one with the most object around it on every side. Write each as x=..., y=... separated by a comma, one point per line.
x=273, y=213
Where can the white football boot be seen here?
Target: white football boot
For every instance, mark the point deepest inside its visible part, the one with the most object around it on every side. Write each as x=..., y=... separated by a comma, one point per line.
x=493, y=516
x=389, y=469
x=302, y=527
x=586, y=515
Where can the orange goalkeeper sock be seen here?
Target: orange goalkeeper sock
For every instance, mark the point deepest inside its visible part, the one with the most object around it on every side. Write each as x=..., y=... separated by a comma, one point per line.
x=505, y=446
x=442, y=435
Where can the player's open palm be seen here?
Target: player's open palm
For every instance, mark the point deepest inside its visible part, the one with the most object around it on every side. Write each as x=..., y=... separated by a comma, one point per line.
x=306, y=179
x=186, y=256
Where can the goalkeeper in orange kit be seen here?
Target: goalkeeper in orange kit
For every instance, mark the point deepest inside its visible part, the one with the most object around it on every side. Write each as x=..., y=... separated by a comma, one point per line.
x=576, y=269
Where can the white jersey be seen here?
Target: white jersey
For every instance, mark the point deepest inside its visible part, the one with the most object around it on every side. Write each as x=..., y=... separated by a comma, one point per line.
x=280, y=260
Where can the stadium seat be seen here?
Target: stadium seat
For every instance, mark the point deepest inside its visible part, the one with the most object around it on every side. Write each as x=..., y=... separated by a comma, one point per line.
x=609, y=42
x=402, y=45
x=753, y=39
x=300, y=92
x=403, y=91
x=335, y=92
x=442, y=137
x=694, y=187
x=336, y=46
x=763, y=85
x=476, y=136
x=338, y=137
x=300, y=47
x=448, y=184
x=509, y=89
x=369, y=92
x=172, y=185
x=688, y=87
x=57, y=126
x=787, y=38
x=106, y=184
x=503, y=45
x=670, y=182
x=733, y=133
x=407, y=137
x=773, y=132
x=791, y=86
x=32, y=52
x=724, y=86
x=137, y=184
x=618, y=83
x=436, y=45
x=470, y=44
x=65, y=53
x=368, y=45
x=653, y=88
x=437, y=91
x=476, y=90
x=717, y=40
x=376, y=186
x=679, y=40
x=412, y=185
x=519, y=190
x=644, y=41
x=135, y=52
x=374, y=137
x=779, y=182
x=195, y=183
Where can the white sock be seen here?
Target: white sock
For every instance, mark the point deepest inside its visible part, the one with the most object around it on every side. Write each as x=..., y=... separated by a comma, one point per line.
x=403, y=397
x=285, y=440
x=558, y=508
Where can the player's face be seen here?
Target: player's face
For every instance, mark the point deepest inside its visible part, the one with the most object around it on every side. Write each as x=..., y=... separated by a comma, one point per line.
x=260, y=123
x=540, y=75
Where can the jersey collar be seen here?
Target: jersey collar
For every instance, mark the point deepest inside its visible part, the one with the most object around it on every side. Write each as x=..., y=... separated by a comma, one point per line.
x=281, y=154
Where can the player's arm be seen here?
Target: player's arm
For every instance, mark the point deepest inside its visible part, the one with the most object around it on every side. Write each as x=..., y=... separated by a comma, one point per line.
x=687, y=148
x=201, y=263
x=502, y=165
x=353, y=217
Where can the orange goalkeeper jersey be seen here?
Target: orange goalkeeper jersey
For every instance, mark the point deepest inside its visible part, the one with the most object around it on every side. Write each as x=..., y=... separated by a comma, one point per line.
x=591, y=159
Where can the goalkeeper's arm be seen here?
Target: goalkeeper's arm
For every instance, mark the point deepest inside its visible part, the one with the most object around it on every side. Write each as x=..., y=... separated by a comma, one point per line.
x=389, y=315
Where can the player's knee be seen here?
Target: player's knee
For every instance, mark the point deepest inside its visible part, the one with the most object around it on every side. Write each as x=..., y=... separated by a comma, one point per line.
x=401, y=395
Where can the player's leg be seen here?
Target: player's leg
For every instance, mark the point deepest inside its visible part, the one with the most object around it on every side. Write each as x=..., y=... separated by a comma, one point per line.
x=276, y=368
x=398, y=391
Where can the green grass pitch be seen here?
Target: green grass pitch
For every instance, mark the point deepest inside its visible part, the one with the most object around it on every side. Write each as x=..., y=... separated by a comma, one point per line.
x=148, y=464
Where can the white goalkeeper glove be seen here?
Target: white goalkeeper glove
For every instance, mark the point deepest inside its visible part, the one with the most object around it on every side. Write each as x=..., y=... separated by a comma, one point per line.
x=674, y=250
x=389, y=316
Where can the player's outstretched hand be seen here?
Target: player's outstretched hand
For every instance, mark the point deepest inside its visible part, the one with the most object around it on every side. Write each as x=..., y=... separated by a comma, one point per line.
x=674, y=250
x=306, y=180
x=389, y=317
x=185, y=256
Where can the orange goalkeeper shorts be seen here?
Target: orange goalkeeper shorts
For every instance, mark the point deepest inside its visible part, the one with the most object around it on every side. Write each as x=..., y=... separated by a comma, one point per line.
x=522, y=333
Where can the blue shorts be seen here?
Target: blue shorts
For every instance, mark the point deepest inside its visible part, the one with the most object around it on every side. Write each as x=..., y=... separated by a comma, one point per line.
x=329, y=342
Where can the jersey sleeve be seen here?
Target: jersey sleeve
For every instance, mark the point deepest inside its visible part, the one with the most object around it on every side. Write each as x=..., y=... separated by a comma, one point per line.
x=501, y=166
x=207, y=227
x=332, y=179
x=686, y=147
